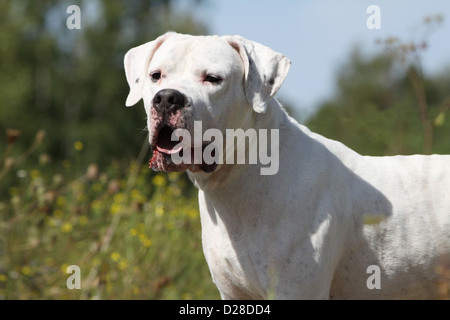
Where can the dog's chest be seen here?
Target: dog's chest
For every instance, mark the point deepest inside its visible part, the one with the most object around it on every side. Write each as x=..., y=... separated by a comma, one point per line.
x=234, y=261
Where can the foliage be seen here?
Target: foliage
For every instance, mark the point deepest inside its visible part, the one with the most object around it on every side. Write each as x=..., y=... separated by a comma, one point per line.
x=375, y=110
x=71, y=83
x=133, y=233
x=68, y=192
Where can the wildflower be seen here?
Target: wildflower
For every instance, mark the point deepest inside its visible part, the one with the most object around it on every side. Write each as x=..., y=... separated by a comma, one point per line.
x=146, y=242
x=78, y=145
x=159, y=210
x=61, y=201
x=123, y=264
x=34, y=174
x=66, y=227
x=159, y=180
x=115, y=256
x=133, y=232
x=26, y=270
x=96, y=205
x=58, y=214
x=192, y=213
x=64, y=267
x=135, y=194
x=115, y=208
x=136, y=290
x=118, y=198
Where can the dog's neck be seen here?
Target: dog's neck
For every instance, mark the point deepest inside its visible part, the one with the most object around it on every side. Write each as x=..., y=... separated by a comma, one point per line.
x=274, y=118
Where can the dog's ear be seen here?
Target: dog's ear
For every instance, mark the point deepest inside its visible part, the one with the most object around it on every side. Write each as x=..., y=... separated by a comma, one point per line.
x=265, y=71
x=136, y=62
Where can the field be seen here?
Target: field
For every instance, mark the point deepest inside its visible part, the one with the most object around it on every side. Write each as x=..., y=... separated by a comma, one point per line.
x=135, y=234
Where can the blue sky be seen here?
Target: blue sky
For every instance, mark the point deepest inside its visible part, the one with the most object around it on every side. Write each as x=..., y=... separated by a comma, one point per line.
x=317, y=36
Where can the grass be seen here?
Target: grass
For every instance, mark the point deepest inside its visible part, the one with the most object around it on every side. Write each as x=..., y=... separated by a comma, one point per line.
x=135, y=234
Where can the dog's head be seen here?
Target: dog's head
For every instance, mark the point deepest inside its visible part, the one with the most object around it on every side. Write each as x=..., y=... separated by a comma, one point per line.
x=221, y=81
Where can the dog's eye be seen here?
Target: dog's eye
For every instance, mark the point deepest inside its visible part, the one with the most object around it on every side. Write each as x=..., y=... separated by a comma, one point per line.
x=213, y=79
x=155, y=75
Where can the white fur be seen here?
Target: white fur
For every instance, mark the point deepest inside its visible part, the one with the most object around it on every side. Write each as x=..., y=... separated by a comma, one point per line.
x=313, y=229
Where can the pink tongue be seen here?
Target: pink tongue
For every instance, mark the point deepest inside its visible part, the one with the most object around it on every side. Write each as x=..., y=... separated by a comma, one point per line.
x=169, y=151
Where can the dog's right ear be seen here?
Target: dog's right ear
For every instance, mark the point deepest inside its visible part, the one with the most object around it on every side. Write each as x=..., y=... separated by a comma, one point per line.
x=136, y=62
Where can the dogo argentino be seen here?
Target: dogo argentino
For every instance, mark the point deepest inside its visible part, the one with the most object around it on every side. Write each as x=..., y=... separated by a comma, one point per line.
x=330, y=223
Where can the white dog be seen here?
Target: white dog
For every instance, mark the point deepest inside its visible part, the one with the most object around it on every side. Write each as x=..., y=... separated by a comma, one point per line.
x=330, y=223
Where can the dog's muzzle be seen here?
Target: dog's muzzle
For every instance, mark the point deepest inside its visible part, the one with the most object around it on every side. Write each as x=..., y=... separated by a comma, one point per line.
x=168, y=113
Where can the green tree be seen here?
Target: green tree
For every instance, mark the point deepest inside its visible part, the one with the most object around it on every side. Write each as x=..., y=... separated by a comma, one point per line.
x=71, y=83
x=375, y=110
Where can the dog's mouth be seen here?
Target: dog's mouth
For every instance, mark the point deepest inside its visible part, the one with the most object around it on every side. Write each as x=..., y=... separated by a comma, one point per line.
x=164, y=149
x=164, y=143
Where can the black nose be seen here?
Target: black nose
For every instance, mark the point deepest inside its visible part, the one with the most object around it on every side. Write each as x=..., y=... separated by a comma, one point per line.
x=168, y=100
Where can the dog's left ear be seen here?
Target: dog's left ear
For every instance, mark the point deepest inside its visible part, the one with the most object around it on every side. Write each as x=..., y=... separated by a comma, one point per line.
x=136, y=62
x=265, y=71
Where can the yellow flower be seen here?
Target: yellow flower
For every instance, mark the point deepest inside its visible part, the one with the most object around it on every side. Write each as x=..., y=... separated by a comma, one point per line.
x=115, y=256
x=133, y=232
x=58, y=214
x=26, y=270
x=52, y=222
x=118, y=198
x=146, y=242
x=78, y=145
x=61, y=201
x=136, y=195
x=123, y=264
x=66, y=227
x=2, y=278
x=159, y=210
x=174, y=176
x=64, y=267
x=115, y=208
x=35, y=174
x=96, y=205
x=135, y=290
x=159, y=180
x=192, y=213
